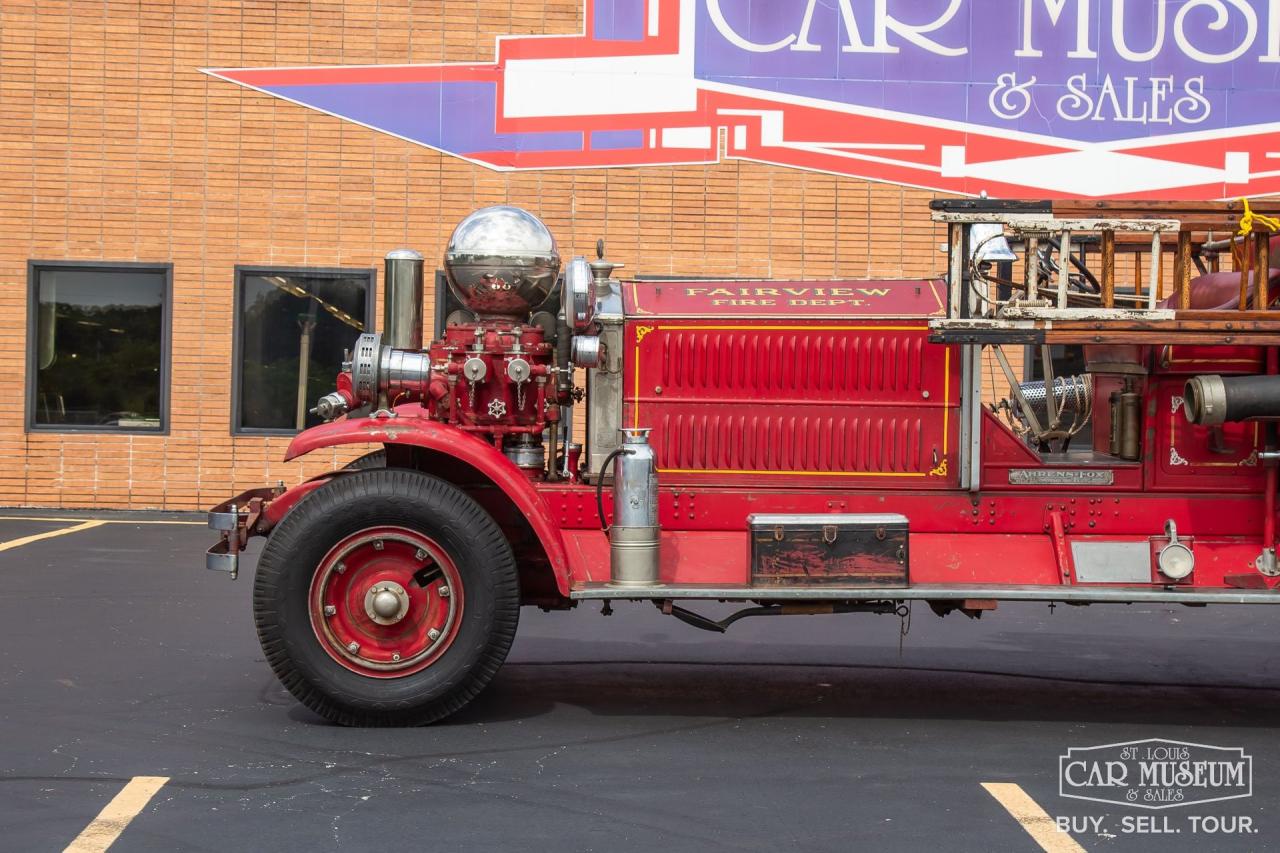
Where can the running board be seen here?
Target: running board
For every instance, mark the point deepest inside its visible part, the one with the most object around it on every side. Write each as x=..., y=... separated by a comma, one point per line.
x=934, y=592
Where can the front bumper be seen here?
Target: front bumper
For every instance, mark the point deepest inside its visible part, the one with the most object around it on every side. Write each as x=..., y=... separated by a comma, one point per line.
x=235, y=520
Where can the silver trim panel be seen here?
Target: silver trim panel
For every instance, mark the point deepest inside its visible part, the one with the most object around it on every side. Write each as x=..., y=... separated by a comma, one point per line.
x=941, y=592
x=868, y=518
x=1111, y=562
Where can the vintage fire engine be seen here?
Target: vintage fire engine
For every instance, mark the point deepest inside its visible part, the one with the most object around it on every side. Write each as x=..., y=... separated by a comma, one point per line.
x=802, y=447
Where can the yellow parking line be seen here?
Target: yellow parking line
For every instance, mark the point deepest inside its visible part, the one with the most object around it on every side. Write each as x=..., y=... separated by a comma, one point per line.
x=100, y=520
x=1032, y=818
x=36, y=537
x=111, y=821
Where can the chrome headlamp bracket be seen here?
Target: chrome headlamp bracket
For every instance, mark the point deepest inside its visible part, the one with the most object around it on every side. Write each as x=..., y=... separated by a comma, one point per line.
x=579, y=294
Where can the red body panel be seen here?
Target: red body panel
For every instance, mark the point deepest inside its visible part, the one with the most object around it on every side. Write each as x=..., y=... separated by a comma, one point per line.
x=785, y=300
x=411, y=427
x=778, y=408
x=785, y=403
x=1189, y=458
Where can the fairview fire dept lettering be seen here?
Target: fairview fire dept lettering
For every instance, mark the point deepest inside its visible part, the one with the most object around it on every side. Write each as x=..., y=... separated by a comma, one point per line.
x=788, y=291
x=920, y=298
x=791, y=296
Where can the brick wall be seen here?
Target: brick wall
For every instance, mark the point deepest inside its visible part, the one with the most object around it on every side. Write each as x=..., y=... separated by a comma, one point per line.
x=113, y=146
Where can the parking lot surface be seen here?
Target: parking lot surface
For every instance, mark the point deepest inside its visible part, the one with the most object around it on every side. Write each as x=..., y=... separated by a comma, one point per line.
x=138, y=713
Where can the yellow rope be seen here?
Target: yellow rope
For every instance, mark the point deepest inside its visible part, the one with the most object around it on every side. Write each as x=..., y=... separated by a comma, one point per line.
x=1251, y=219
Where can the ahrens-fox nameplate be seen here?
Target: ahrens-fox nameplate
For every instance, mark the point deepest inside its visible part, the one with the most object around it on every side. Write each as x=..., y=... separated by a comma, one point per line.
x=1055, y=477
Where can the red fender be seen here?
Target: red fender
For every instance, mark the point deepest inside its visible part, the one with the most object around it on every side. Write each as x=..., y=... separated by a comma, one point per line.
x=484, y=457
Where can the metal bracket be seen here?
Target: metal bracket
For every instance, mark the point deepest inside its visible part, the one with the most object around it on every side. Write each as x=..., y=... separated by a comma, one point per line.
x=235, y=519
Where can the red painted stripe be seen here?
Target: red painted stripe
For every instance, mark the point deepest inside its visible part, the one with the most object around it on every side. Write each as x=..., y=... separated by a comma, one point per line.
x=595, y=159
x=339, y=75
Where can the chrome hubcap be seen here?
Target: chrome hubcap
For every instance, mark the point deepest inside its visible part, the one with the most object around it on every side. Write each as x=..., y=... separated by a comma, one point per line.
x=386, y=602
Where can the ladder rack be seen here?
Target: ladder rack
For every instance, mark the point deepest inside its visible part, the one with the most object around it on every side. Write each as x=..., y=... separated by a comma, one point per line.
x=1060, y=299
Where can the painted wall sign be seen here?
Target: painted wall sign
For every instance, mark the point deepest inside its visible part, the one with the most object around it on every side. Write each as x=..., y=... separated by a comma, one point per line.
x=1174, y=99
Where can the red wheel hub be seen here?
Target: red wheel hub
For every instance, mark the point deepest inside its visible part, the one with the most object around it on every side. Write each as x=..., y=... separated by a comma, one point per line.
x=386, y=602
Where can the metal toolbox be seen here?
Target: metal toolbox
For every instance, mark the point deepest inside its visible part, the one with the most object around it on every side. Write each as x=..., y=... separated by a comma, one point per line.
x=836, y=550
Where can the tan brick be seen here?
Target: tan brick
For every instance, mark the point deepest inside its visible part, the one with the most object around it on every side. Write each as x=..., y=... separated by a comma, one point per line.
x=114, y=147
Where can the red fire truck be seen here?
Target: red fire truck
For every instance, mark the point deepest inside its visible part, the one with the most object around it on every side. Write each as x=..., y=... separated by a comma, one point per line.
x=800, y=447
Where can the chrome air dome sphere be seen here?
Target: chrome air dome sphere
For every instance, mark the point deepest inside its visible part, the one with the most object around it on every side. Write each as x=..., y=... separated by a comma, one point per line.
x=502, y=262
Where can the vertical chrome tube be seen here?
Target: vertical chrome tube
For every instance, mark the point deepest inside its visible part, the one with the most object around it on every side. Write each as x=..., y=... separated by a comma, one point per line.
x=402, y=300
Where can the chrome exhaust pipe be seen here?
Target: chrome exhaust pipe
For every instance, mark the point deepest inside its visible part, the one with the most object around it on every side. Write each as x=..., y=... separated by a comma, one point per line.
x=402, y=301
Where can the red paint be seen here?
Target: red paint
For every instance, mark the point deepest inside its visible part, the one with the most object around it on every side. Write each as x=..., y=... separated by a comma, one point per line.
x=410, y=428
x=1004, y=452
x=1118, y=513
x=1223, y=359
x=1188, y=457
x=470, y=406
x=342, y=74
x=789, y=300
x=795, y=414
x=702, y=557
x=275, y=510
x=819, y=404
x=361, y=562
x=1061, y=556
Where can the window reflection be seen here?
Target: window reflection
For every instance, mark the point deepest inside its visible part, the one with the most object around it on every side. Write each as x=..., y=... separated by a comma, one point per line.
x=99, y=347
x=294, y=330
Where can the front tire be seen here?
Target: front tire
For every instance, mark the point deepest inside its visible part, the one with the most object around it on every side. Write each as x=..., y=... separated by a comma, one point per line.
x=371, y=460
x=386, y=598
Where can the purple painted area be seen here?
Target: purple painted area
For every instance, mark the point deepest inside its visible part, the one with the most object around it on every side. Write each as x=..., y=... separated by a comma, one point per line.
x=1101, y=93
x=619, y=20
x=454, y=117
x=616, y=140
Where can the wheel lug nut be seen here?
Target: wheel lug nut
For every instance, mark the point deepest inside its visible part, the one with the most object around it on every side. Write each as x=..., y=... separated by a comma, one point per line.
x=330, y=610
x=340, y=568
x=395, y=656
x=353, y=647
x=444, y=592
x=377, y=545
x=421, y=555
x=433, y=635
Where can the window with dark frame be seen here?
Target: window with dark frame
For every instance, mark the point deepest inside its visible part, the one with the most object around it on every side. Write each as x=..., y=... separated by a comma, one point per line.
x=293, y=328
x=98, y=346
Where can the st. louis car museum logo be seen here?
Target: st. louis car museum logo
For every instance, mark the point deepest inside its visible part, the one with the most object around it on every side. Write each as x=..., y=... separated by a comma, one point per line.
x=1141, y=99
x=1155, y=774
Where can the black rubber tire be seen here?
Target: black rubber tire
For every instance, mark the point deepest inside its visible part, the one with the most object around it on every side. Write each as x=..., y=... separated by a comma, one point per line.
x=355, y=502
x=368, y=462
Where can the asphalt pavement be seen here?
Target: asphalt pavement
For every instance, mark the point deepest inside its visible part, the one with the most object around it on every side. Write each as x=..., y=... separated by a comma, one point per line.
x=137, y=712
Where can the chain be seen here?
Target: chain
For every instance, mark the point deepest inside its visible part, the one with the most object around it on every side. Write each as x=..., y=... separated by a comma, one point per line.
x=471, y=395
x=520, y=395
x=904, y=625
